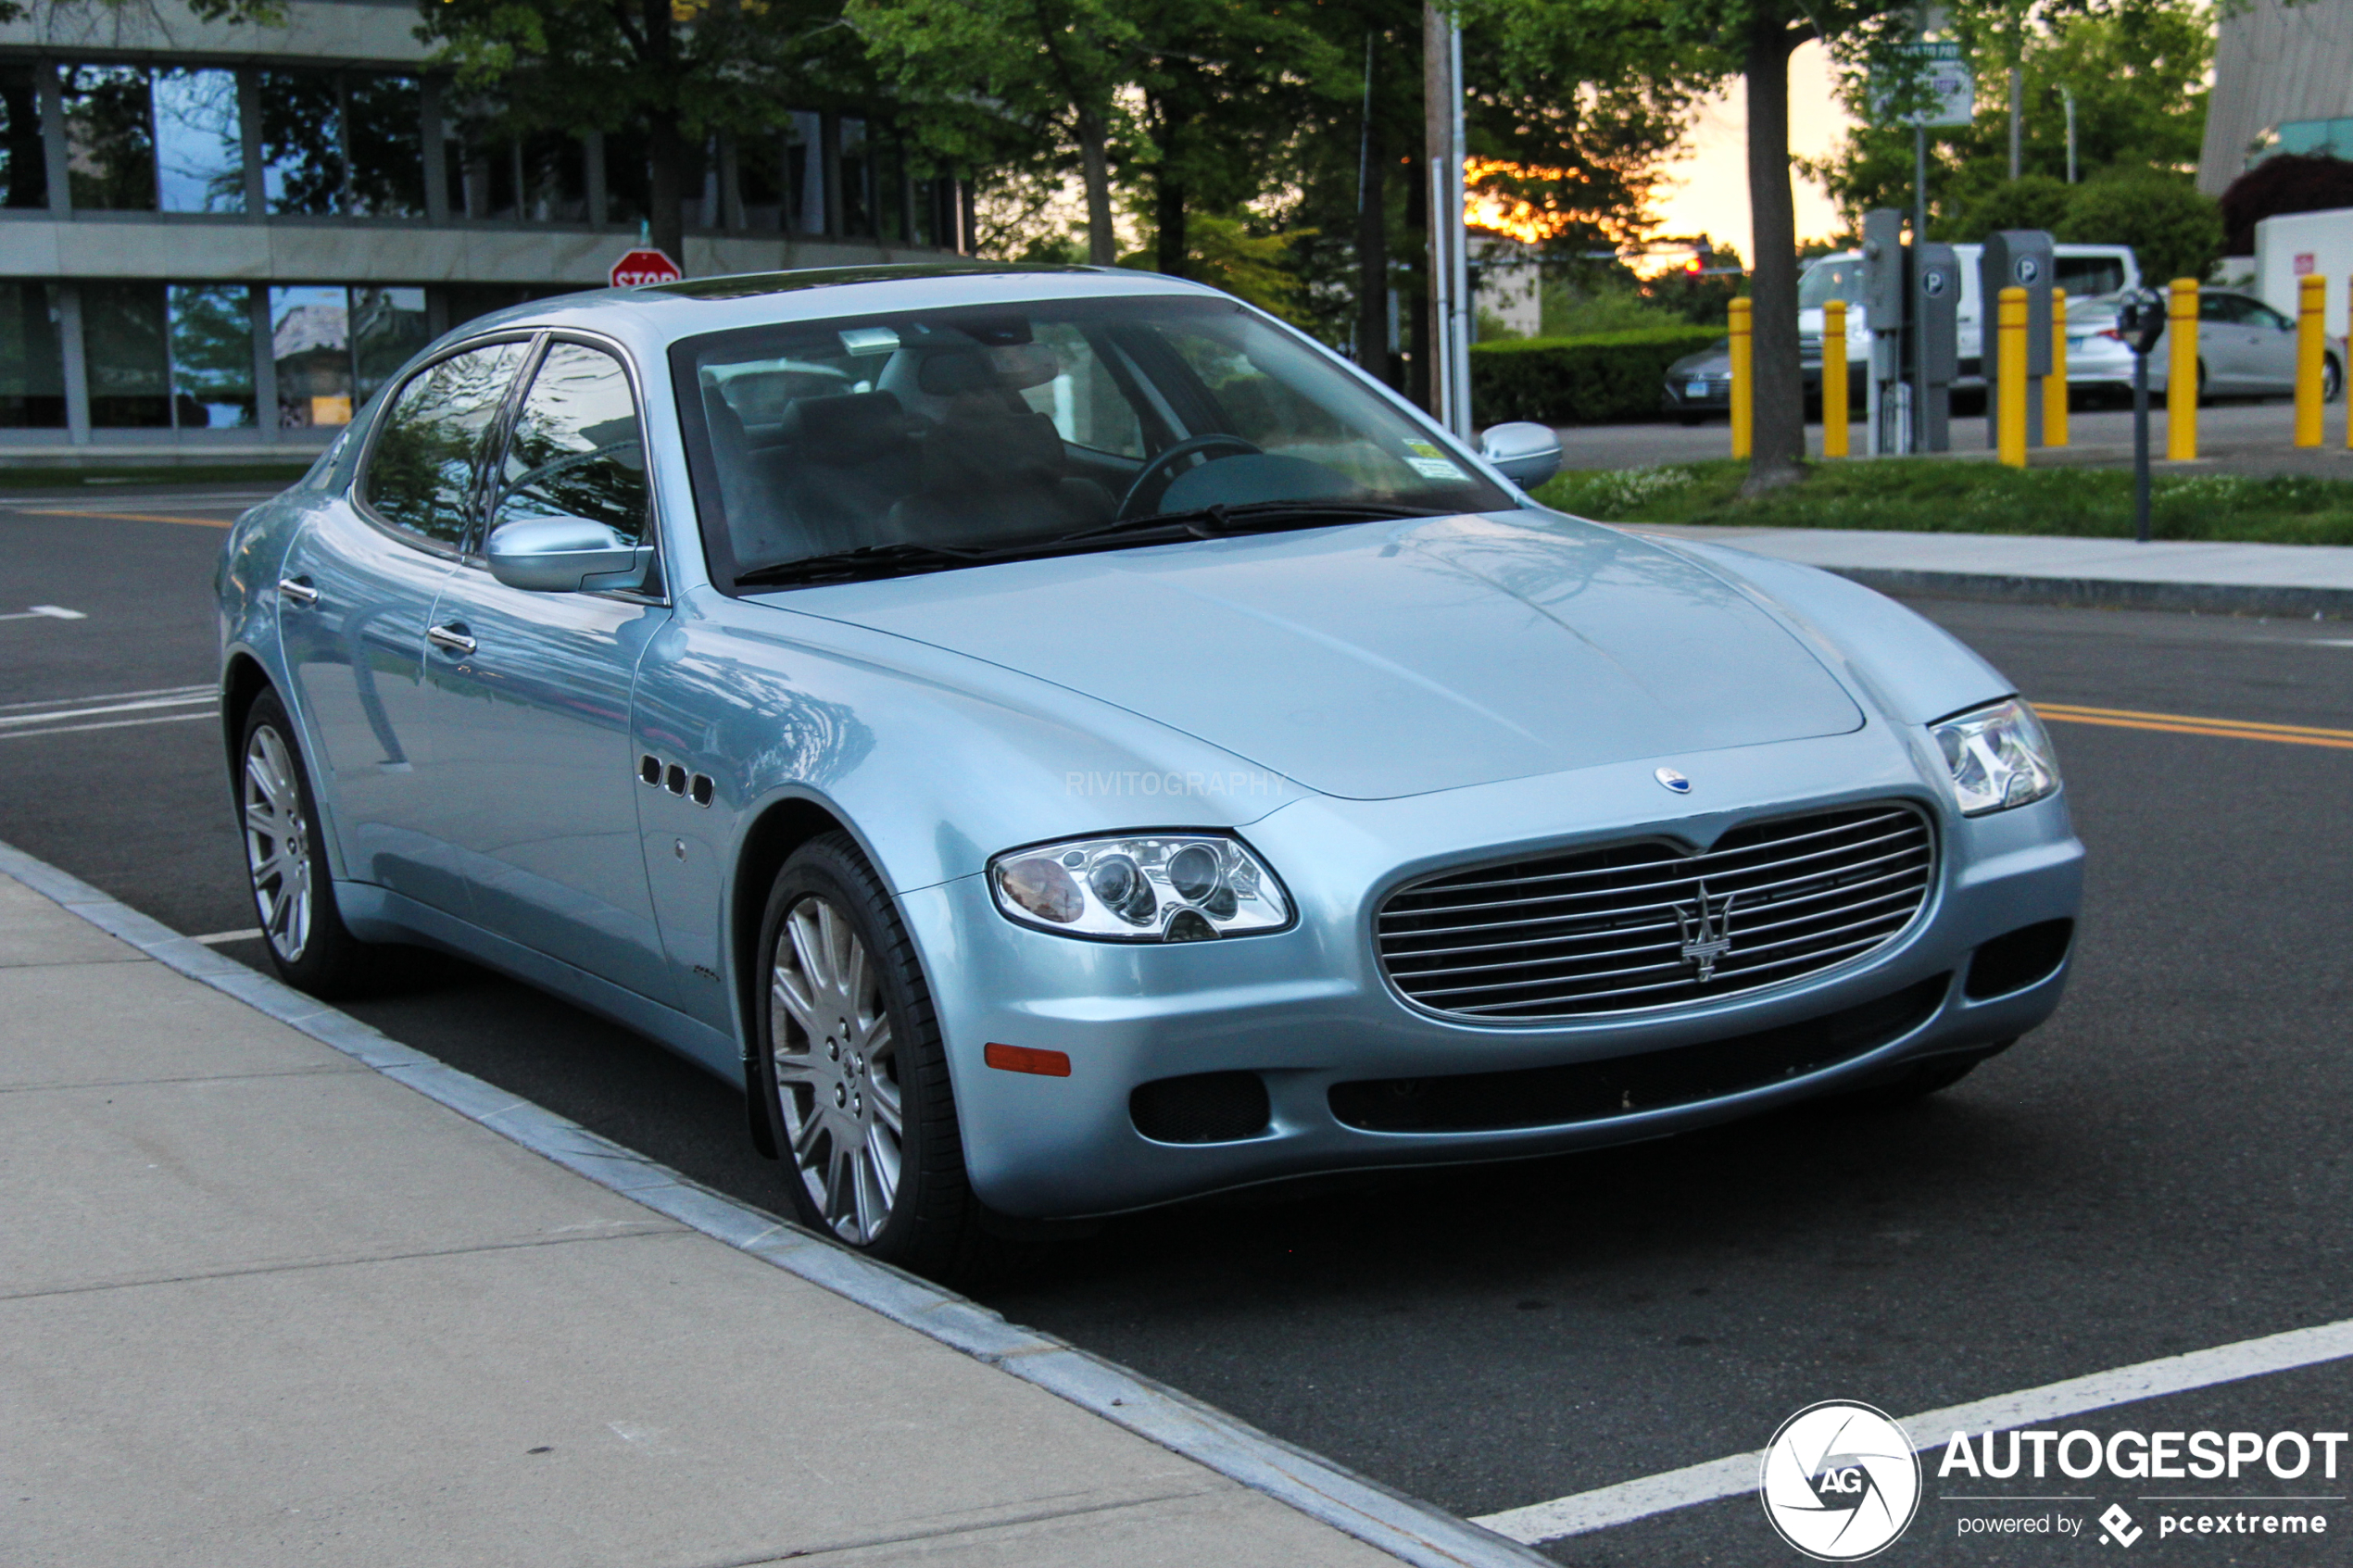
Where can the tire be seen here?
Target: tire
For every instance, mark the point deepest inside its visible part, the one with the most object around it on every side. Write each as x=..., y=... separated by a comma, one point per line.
x=294, y=895
x=2203, y=399
x=2331, y=379
x=849, y=1043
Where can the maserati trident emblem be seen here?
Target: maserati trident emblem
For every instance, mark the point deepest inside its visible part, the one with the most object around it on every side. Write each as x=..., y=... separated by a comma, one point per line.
x=1707, y=933
x=1672, y=780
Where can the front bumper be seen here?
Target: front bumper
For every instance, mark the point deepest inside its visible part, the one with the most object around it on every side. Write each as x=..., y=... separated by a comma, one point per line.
x=1308, y=1008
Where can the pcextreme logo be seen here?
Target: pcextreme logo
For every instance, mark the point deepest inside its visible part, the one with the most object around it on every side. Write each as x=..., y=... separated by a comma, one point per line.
x=1840, y=1481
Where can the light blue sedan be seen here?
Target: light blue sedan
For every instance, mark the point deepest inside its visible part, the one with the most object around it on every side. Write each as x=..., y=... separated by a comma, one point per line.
x=1062, y=741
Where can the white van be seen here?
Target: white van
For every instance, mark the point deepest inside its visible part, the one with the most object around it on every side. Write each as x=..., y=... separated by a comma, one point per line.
x=2092, y=275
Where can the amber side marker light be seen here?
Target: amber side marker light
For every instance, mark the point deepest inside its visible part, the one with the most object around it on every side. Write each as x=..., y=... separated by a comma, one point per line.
x=1024, y=1058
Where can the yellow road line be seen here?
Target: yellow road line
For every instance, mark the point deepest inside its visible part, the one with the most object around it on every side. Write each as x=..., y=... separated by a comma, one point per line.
x=2186, y=724
x=129, y=517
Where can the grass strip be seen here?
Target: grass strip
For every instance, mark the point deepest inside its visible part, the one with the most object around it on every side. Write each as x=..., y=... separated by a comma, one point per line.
x=1928, y=496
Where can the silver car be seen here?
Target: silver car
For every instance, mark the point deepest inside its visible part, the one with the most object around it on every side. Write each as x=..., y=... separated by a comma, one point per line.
x=2244, y=348
x=1062, y=741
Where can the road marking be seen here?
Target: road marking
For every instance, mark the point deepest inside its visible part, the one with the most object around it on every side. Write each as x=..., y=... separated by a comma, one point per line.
x=103, y=696
x=106, y=724
x=45, y=612
x=206, y=695
x=128, y=517
x=214, y=939
x=1630, y=1500
x=2186, y=724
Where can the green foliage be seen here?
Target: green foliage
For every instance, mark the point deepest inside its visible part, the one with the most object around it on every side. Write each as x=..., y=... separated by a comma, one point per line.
x=1944, y=495
x=1607, y=306
x=1222, y=252
x=2031, y=201
x=2175, y=228
x=1595, y=380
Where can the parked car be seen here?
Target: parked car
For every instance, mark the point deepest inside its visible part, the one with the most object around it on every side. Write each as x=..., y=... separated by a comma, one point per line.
x=2244, y=348
x=1088, y=746
x=1700, y=384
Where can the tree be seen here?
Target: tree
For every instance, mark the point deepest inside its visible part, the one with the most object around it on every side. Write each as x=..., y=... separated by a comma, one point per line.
x=678, y=70
x=990, y=72
x=2175, y=228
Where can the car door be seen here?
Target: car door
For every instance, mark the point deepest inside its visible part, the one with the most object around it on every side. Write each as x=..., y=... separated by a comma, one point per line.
x=2224, y=343
x=2270, y=348
x=355, y=596
x=533, y=778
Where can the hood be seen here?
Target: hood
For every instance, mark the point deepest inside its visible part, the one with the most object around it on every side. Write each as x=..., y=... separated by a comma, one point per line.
x=1388, y=658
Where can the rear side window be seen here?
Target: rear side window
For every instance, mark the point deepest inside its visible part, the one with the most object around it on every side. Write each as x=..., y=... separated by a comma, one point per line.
x=577, y=450
x=426, y=456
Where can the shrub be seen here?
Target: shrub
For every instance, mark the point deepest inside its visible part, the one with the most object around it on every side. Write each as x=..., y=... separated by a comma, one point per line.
x=2175, y=228
x=2288, y=183
x=1593, y=380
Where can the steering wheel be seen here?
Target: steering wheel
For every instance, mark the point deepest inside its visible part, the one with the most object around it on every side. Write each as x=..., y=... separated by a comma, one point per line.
x=1196, y=446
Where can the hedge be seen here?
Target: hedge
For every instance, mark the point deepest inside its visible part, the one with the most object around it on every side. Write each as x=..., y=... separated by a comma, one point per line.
x=1598, y=379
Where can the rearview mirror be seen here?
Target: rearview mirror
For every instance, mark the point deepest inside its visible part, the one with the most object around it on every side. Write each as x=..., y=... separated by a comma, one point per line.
x=565, y=554
x=1528, y=454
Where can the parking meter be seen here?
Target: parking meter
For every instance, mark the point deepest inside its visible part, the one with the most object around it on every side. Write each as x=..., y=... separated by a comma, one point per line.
x=1935, y=341
x=1884, y=291
x=2019, y=258
x=2140, y=322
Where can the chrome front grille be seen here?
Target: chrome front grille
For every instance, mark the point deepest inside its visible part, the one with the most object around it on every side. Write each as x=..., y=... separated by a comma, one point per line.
x=1647, y=924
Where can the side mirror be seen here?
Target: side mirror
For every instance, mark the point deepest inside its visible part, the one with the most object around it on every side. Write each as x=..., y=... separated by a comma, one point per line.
x=565, y=554
x=1528, y=454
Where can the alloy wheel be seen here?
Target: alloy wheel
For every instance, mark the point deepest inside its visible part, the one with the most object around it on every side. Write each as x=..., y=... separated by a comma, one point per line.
x=277, y=844
x=833, y=1051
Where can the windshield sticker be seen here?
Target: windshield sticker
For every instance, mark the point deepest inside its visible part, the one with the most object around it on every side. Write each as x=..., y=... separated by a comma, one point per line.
x=1430, y=462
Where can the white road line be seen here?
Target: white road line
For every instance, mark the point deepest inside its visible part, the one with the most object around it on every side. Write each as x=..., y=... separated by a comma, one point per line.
x=214, y=939
x=45, y=612
x=1630, y=1500
x=103, y=696
x=208, y=696
x=109, y=724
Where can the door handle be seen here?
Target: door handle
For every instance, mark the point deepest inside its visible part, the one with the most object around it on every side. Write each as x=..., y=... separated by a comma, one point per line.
x=451, y=636
x=297, y=591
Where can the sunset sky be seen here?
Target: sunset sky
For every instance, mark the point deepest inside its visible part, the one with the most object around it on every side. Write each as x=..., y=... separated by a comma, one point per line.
x=1706, y=191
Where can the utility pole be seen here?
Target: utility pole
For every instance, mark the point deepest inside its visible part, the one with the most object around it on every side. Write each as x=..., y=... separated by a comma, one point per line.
x=2018, y=121
x=1437, y=141
x=2071, y=135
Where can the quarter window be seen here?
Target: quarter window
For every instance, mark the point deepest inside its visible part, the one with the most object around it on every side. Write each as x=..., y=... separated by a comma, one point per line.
x=422, y=468
x=577, y=450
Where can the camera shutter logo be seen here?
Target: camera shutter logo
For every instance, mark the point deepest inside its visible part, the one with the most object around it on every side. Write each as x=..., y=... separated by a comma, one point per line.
x=1840, y=1481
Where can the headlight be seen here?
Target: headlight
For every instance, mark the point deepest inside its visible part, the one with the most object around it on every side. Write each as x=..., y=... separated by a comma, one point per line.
x=1999, y=757
x=1165, y=887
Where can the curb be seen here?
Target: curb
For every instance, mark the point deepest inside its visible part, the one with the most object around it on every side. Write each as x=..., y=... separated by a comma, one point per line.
x=2205, y=598
x=1408, y=1530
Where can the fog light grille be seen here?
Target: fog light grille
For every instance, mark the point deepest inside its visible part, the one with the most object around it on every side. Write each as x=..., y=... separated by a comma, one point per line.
x=1200, y=1108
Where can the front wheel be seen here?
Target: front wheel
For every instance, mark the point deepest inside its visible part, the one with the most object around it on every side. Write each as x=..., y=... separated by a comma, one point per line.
x=293, y=894
x=2331, y=380
x=856, y=1079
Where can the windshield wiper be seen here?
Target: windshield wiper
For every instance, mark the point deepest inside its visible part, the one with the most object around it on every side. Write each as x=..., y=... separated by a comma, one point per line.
x=1248, y=516
x=864, y=560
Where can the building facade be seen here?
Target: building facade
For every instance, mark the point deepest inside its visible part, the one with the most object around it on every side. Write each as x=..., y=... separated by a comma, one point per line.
x=217, y=240
x=2283, y=82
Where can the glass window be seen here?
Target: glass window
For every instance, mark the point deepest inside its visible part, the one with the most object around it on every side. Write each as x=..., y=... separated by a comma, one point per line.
x=24, y=163
x=387, y=328
x=628, y=189
x=33, y=373
x=576, y=450
x=2088, y=276
x=2262, y=315
x=125, y=356
x=423, y=464
x=554, y=179
x=804, y=173
x=110, y=138
x=1083, y=399
x=301, y=141
x=1826, y=281
x=387, y=145
x=760, y=182
x=857, y=178
x=201, y=158
x=211, y=356
x=310, y=340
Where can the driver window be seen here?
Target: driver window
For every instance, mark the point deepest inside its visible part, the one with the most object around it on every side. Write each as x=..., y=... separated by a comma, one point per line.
x=421, y=467
x=577, y=450
x=1083, y=399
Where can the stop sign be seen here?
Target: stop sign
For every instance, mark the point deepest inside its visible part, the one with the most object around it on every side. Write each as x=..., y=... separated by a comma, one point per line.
x=645, y=265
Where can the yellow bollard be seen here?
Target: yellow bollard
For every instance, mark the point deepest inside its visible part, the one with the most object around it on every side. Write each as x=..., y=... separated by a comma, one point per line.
x=2010, y=410
x=2181, y=370
x=1744, y=378
x=2312, y=303
x=2055, y=385
x=1834, y=378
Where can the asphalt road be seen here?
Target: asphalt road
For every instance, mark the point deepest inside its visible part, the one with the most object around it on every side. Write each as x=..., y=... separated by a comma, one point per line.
x=2164, y=1167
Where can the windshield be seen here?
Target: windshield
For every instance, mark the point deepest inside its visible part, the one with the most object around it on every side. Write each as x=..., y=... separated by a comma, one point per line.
x=1841, y=277
x=983, y=430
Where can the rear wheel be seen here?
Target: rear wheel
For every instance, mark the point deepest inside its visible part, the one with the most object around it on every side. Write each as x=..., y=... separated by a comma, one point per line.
x=2331, y=379
x=856, y=1080
x=292, y=895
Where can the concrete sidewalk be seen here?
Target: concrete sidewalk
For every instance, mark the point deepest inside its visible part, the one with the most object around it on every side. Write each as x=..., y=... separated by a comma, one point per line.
x=263, y=1302
x=2301, y=580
